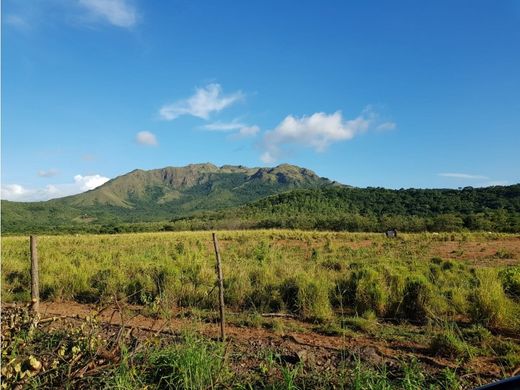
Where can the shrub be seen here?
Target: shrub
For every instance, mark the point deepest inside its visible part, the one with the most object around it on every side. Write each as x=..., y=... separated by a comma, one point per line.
x=313, y=300
x=510, y=278
x=289, y=291
x=307, y=297
x=196, y=364
x=477, y=335
x=100, y=281
x=417, y=297
x=448, y=344
x=503, y=254
x=370, y=292
x=332, y=265
x=264, y=294
x=364, y=289
x=488, y=301
x=507, y=352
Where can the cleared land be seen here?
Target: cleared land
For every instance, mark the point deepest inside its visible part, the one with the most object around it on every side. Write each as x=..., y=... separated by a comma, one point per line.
x=419, y=310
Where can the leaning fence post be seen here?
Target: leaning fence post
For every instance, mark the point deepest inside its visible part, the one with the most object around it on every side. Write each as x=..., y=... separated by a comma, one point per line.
x=35, y=291
x=220, y=287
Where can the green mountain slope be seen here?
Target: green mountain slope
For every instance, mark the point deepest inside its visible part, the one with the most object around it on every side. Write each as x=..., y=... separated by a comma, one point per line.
x=375, y=209
x=160, y=194
x=203, y=196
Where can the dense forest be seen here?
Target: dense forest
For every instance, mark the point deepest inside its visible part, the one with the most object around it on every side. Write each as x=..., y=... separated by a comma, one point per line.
x=338, y=208
x=375, y=209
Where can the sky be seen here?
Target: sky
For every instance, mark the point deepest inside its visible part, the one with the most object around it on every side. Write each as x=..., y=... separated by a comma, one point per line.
x=392, y=94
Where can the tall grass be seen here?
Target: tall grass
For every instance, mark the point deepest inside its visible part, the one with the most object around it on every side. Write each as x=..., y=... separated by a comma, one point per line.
x=311, y=274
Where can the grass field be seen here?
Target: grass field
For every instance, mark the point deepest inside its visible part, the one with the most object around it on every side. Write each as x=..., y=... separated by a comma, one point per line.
x=453, y=298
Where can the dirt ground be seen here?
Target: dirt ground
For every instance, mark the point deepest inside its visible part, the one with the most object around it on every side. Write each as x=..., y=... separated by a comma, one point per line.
x=499, y=252
x=299, y=342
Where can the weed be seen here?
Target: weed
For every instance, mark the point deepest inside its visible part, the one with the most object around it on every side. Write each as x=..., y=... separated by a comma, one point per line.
x=489, y=302
x=417, y=297
x=194, y=364
x=447, y=343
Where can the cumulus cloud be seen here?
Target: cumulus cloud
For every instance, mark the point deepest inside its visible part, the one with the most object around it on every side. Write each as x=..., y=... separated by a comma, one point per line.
x=17, y=192
x=48, y=173
x=12, y=191
x=85, y=183
x=204, y=102
x=238, y=129
x=119, y=13
x=317, y=131
x=146, y=138
x=463, y=176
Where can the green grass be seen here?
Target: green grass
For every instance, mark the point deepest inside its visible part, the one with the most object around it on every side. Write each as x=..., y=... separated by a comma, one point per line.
x=269, y=271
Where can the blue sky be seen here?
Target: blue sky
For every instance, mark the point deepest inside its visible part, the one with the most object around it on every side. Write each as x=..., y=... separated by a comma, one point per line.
x=368, y=93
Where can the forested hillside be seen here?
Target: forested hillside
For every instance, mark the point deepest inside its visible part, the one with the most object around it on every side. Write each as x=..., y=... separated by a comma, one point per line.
x=203, y=196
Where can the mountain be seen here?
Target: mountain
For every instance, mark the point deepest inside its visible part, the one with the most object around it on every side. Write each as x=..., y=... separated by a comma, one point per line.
x=204, y=196
x=160, y=194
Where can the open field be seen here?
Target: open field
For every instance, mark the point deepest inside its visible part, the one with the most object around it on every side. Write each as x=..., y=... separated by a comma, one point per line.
x=361, y=310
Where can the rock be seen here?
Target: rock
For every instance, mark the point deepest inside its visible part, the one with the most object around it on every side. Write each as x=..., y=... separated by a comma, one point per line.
x=371, y=356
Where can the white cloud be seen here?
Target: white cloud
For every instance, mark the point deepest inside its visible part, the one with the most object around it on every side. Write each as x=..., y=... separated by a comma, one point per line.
x=146, y=138
x=119, y=13
x=248, y=131
x=17, y=192
x=224, y=126
x=204, y=102
x=240, y=130
x=11, y=191
x=463, y=176
x=85, y=183
x=317, y=131
x=267, y=158
x=48, y=173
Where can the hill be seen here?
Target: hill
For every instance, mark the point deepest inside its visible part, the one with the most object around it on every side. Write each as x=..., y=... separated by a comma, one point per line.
x=374, y=209
x=159, y=194
x=204, y=196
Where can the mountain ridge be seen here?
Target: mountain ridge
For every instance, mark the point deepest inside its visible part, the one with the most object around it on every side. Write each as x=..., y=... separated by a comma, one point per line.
x=164, y=193
x=205, y=196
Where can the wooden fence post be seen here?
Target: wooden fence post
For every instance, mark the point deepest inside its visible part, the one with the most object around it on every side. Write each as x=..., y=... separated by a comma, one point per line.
x=35, y=290
x=220, y=288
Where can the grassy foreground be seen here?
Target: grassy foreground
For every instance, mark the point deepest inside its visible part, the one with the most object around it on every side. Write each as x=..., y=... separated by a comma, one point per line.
x=313, y=275
x=462, y=289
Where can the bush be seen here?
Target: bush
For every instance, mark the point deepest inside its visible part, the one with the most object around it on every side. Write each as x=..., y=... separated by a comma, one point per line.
x=477, y=335
x=417, y=297
x=364, y=289
x=510, y=278
x=332, y=265
x=193, y=365
x=449, y=345
x=370, y=292
x=308, y=298
x=264, y=294
x=488, y=301
x=507, y=352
